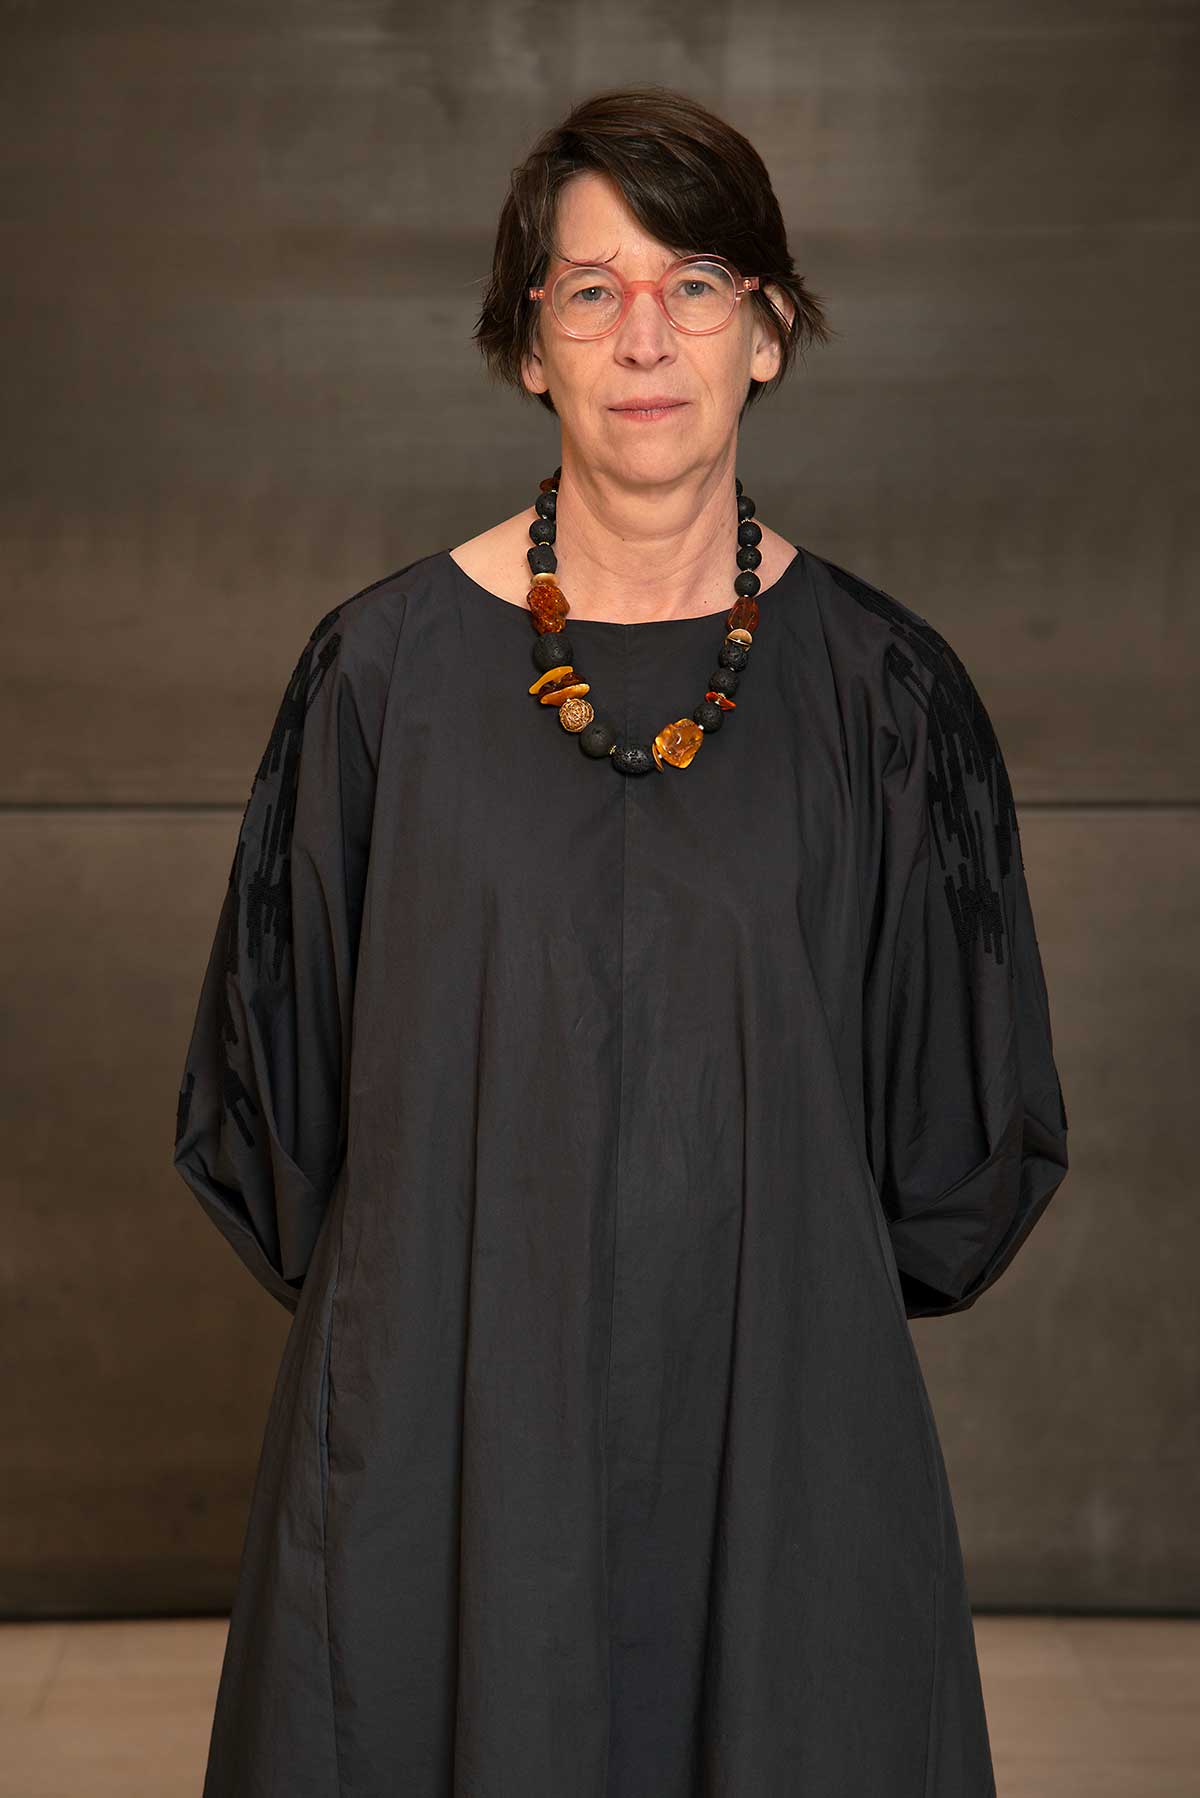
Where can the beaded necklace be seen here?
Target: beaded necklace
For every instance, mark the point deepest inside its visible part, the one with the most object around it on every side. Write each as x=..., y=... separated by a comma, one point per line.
x=558, y=685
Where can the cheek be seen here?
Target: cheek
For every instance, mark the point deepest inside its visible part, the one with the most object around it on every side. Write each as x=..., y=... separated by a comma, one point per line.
x=727, y=363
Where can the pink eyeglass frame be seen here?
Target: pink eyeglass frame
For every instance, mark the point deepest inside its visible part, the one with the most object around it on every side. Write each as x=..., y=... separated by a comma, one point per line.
x=743, y=285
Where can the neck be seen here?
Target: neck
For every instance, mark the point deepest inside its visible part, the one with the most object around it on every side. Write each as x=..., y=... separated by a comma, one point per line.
x=635, y=553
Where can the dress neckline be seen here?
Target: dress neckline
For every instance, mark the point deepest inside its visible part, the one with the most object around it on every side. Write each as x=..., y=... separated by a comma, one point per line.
x=497, y=600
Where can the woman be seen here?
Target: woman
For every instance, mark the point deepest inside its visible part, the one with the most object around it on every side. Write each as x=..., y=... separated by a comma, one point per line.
x=603, y=1100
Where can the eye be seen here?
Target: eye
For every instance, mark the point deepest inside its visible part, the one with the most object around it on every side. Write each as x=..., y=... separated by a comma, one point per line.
x=699, y=280
x=576, y=289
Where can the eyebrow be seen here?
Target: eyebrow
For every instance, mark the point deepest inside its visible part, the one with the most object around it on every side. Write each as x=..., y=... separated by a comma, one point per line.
x=591, y=261
x=603, y=261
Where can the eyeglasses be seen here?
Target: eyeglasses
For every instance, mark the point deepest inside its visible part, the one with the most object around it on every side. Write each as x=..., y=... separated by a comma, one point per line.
x=697, y=295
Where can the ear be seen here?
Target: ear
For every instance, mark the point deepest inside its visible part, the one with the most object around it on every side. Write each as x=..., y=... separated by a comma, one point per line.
x=533, y=372
x=766, y=353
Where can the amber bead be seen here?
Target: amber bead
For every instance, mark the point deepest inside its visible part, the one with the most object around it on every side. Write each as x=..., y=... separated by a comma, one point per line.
x=723, y=700
x=566, y=689
x=553, y=677
x=744, y=615
x=547, y=605
x=677, y=743
x=547, y=624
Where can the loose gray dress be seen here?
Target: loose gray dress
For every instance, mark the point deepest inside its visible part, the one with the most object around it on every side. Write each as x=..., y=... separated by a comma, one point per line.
x=602, y=1133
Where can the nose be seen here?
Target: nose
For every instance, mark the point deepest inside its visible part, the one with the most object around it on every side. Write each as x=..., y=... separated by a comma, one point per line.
x=644, y=336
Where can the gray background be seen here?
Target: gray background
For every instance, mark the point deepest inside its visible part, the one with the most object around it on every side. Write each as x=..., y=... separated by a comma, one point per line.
x=246, y=245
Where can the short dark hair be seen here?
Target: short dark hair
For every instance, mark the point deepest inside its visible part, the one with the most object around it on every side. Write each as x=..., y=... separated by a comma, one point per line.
x=690, y=179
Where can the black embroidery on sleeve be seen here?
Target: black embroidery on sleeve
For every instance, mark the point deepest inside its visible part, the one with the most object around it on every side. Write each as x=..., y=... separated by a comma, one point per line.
x=266, y=889
x=963, y=755
x=260, y=900
x=234, y=1096
x=184, y=1104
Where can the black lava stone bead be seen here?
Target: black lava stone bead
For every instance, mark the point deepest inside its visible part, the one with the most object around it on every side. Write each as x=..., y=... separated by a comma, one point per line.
x=597, y=738
x=551, y=650
x=633, y=758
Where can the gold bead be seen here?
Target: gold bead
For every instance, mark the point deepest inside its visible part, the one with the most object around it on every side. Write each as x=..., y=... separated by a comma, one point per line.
x=575, y=713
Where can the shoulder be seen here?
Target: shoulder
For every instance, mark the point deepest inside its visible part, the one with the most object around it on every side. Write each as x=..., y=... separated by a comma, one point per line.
x=369, y=621
x=865, y=620
x=928, y=706
x=336, y=695
x=910, y=664
x=359, y=636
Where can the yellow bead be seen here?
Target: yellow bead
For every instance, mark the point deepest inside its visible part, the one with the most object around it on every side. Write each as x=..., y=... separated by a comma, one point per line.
x=551, y=676
x=677, y=743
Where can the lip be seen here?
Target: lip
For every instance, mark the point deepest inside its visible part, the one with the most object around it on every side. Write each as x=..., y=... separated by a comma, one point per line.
x=649, y=406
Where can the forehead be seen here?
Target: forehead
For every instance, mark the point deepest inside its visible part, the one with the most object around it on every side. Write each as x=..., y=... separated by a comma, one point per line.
x=593, y=223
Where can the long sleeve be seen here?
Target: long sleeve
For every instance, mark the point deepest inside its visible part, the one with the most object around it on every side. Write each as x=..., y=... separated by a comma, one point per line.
x=966, y=1122
x=261, y=1123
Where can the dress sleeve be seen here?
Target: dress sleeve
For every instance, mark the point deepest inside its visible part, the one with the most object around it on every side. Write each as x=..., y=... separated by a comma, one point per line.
x=966, y=1122
x=261, y=1122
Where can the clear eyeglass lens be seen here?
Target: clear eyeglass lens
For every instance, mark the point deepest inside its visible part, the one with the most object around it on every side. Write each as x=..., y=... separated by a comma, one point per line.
x=698, y=296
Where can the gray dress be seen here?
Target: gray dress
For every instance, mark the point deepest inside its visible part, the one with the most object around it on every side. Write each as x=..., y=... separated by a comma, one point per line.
x=602, y=1133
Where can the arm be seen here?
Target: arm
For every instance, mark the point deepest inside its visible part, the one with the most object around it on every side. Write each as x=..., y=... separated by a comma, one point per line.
x=261, y=1124
x=966, y=1122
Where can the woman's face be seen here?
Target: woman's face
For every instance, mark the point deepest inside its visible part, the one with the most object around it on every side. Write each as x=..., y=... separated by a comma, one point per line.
x=644, y=357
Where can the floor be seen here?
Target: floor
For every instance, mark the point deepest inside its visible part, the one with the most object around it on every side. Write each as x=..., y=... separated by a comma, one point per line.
x=1077, y=1707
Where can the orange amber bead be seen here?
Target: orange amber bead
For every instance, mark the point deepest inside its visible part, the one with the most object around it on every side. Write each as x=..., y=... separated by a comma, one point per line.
x=678, y=742
x=547, y=607
x=564, y=690
x=744, y=615
x=722, y=700
x=542, y=625
x=553, y=677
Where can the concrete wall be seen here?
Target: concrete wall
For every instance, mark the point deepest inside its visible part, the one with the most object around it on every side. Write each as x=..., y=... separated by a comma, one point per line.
x=246, y=243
